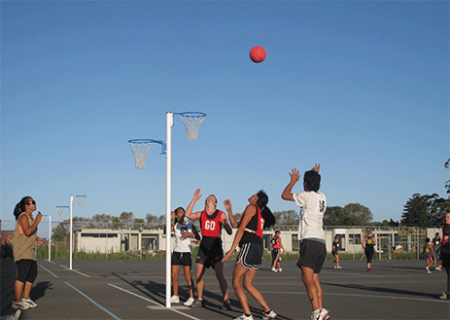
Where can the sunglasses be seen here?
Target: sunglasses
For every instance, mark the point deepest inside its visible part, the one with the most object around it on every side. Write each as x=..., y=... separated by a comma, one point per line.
x=30, y=203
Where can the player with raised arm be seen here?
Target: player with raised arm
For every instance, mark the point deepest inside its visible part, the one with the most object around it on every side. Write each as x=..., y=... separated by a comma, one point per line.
x=312, y=248
x=210, y=252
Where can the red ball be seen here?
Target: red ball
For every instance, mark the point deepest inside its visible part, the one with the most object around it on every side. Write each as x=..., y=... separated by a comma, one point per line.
x=257, y=54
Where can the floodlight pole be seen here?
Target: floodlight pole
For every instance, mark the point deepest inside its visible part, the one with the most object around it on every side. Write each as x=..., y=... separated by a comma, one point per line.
x=169, y=125
x=71, y=232
x=49, y=238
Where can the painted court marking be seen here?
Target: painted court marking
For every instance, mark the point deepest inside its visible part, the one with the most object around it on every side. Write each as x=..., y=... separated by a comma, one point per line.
x=93, y=302
x=158, y=305
x=67, y=268
x=40, y=265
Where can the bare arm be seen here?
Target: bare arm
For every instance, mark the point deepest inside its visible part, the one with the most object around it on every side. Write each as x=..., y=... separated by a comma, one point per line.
x=25, y=224
x=249, y=212
x=287, y=193
x=193, y=215
x=228, y=207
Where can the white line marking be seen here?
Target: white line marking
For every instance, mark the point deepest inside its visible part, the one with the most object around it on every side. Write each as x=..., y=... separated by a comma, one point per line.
x=93, y=302
x=67, y=268
x=154, y=302
x=48, y=271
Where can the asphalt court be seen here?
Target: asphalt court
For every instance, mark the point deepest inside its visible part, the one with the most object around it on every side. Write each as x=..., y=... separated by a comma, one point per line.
x=134, y=289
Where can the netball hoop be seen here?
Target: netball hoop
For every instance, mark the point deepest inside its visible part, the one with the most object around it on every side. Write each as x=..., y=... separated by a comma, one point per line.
x=140, y=149
x=80, y=199
x=60, y=209
x=192, y=121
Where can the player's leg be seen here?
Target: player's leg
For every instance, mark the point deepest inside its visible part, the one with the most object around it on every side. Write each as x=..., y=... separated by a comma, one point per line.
x=238, y=276
x=200, y=282
x=187, y=275
x=311, y=287
x=218, y=268
x=248, y=285
x=319, y=289
x=175, y=271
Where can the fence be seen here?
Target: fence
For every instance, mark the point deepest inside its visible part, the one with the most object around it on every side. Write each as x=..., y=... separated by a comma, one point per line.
x=393, y=242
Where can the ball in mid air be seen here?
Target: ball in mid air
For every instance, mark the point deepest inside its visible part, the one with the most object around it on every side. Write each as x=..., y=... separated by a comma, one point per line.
x=257, y=54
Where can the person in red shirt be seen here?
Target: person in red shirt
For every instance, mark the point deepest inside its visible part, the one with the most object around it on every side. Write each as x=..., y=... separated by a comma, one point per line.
x=277, y=246
x=254, y=219
x=210, y=252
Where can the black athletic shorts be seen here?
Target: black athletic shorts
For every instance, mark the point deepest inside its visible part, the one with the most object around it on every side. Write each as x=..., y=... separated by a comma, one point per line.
x=181, y=259
x=209, y=258
x=445, y=257
x=27, y=270
x=250, y=255
x=312, y=255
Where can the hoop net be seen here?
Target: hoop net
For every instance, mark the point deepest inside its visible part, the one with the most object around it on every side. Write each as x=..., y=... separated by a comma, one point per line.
x=80, y=199
x=140, y=149
x=60, y=209
x=192, y=121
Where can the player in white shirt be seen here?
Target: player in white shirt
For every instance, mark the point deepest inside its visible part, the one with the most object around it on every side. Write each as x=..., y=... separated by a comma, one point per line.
x=181, y=256
x=312, y=248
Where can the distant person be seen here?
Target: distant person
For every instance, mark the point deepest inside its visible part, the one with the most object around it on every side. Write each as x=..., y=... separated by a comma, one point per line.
x=254, y=219
x=210, y=253
x=437, y=249
x=181, y=256
x=277, y=246
x=312, y=248
x=445, y=253
x=24, y=249
x=369, y=242
x=335, y=252
x=429, y=254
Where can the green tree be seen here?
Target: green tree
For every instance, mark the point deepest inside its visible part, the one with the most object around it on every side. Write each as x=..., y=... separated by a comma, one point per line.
x=126, y=219
x=418, y=210
x=357, y=215
x=334, y=216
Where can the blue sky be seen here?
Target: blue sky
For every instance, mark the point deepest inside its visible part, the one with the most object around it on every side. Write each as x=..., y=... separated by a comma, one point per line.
x=361, y=87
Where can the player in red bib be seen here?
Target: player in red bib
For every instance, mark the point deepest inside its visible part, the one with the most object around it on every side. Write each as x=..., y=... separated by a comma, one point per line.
x=210, y=252
x=254, y=219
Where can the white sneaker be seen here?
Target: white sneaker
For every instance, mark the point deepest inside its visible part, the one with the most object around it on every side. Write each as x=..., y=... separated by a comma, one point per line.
x=321, y=314
x=274, y=270
x=189, y=302
x=338, y=267
x=439, y=268
x=270, y=315
x=30, y=303
x=175, y=299
x=444, y=296
x=19, y=305
x=15, y=316
x=244, y=317
x=279, y=270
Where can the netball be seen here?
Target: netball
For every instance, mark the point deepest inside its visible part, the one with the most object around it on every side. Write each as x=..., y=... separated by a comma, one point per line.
x=257, y=54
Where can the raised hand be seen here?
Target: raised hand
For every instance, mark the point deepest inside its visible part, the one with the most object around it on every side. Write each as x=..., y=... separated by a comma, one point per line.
x=295, y=175
x=197, y=195
x=316, y=167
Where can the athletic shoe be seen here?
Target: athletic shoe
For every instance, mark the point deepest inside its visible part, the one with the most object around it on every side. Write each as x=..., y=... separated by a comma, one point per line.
x=15, y=316
x=198, y=304
x=444, y=296
x=269, y=315
x=19, y=305
x=280, y=270
x=439, y=268
x=338, y=267
x=244, y=317
x=30, y=303
x=274, y=270
x=226, y=305
x=322, y=314
x=189, y=302
x=175, y=299
x=428, y=270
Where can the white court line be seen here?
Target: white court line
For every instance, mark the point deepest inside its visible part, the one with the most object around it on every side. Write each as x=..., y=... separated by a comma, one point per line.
x=154, y=302
x=67, y=268
x=361, y=296
x=48, y=271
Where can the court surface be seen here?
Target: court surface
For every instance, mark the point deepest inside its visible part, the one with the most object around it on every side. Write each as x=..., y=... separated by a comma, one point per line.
x=129, y=289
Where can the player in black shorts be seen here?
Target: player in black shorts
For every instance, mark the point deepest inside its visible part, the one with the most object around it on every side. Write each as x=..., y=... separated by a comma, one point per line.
x=255, y=217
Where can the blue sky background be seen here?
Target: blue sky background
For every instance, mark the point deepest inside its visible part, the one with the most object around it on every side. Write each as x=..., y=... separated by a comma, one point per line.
x=361, y=87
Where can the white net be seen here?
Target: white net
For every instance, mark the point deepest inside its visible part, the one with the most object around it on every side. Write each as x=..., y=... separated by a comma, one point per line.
x=192, y=121
x=80, y=199
x=140, y=149
x=60, y=209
